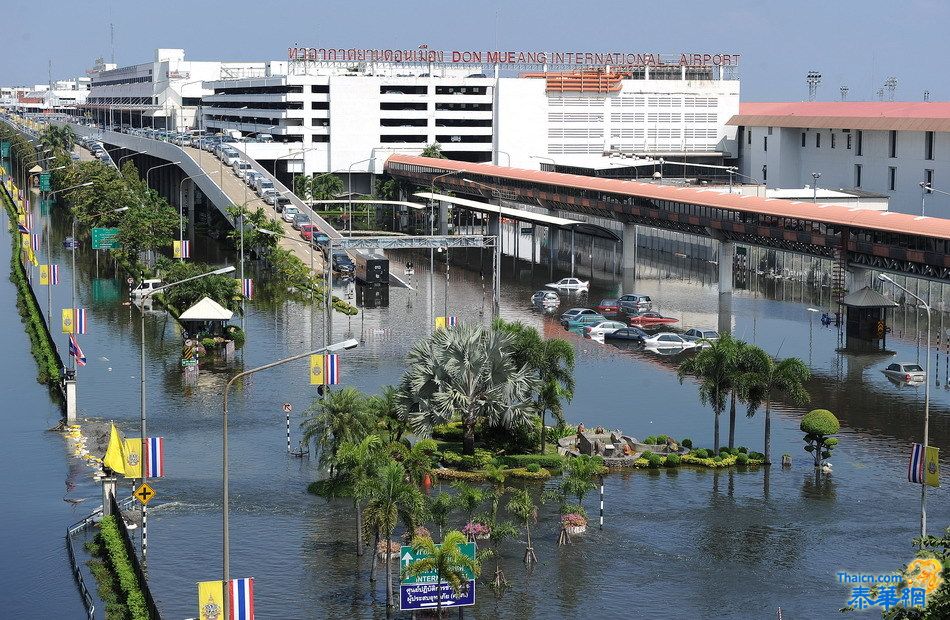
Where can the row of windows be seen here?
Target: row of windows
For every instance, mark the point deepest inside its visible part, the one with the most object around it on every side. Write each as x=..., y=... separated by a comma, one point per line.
x=858, y=141
x=257, y=105
x=123, y=100
x=891, y=177
x=260, y=90
x=576, y=117
x=134, y=80
x=576, y=132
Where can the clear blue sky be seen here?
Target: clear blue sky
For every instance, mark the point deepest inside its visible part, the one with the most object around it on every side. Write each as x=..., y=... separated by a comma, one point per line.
x=854, y=42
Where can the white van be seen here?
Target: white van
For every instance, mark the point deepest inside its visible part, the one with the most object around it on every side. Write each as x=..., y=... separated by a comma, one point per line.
x=262, y=185
x=229, y=156
x=146, y=287
x=265, y=137
x=240, y=168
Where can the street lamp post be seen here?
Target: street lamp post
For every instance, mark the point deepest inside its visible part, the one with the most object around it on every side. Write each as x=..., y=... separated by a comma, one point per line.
x=923, y=487
x=226, y=555
x=928, y=188
x=181, y=202
x=814, y=188
x=49, y=293
x=432, y=250
x=146, y=295
x=349, y=190
x=149, y=171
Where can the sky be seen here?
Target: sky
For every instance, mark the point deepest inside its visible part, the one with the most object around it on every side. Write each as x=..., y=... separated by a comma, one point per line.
x=858, y=43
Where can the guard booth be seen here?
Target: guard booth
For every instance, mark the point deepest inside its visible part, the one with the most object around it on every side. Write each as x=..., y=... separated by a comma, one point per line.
x=866, y=321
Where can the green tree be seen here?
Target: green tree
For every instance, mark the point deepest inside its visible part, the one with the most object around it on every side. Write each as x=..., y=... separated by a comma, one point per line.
x=60, y=138
x=439, y=507
x=765, y=378
x=522, y=506
x=468, y=498
x=938, y=601
x=819, y=425
x=302, y=186
x=582, y=471
x=339, y=416
x=325, y=187
x=433, y=150
x=386, y=410
x=553, y=361
x=391, y=499
x=355, y=465
x=221, y=288
x=447, y=561
x=255, y=241
x=714, y=366
x=466, y=372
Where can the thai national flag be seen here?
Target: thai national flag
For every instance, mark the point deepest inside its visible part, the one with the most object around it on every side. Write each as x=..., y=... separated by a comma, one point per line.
x=155, y=457
x=915, y=469
x=75, y=351
x=331, y=369
x=186, y=249
x=241, y=597
x=54, y=274
x=79, y=316
x=248, y=288
x=452, y=321
x=23, y=229
x=35, y=242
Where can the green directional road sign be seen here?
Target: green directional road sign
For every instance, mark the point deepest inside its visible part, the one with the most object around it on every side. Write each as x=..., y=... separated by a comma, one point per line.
x=407, y=556
x=105, y=239
x=4, y=149
x=44, y=182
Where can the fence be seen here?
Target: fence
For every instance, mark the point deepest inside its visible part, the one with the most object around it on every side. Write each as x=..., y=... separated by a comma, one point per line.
x=136, y=565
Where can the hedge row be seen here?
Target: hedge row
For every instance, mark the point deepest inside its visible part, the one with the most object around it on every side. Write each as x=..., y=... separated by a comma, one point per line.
x=121, y=566
x=445, y=473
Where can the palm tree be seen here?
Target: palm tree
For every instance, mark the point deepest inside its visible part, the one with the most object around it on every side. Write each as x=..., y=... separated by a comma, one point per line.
x=336, y=418
x=714, y=367
x=417, y=460
x=735, y=393
x=58, y=138
x=439, y=507
x=468, y=498
x=386, y=410
x=581, y=472
x=552, y=360
x=498, y=533
x=765, y=378
x=355, y=464
x=467, y=372
x=391, y=499
x=447, y=561
x=325, y=187
x=522, y=506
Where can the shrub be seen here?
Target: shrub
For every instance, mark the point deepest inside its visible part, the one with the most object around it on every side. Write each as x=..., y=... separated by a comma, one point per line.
x=526, y=474
x=654, y=461
x=724, y=450
x=687, y=443
x=573, y=519
x=208, y=343
x=557, y=432
x=452, y=459
x=661, y=439
x=448, y=432
x=743, y=449
x=454, y=474
x=121, y=565
x=650, y=441
x=742, y=459
x=701, y=453
x=820, y=422
x=533, y=467
x=672, y=460
x=547, y=461
x=757, y=456
x=718, y=458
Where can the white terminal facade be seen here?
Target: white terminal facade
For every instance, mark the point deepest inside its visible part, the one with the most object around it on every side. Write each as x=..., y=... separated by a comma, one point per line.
x=884, y=148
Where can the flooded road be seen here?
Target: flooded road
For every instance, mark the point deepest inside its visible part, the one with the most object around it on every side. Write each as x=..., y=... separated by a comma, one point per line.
x=731, y=544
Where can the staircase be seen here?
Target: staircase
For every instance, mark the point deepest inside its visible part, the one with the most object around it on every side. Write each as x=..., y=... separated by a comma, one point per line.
x=839, y=270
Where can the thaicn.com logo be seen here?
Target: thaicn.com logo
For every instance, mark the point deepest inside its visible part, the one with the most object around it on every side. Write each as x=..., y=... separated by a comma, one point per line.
x=884, y=591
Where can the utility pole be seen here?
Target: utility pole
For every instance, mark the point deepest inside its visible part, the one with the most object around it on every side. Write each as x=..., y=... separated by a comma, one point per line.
x=844, y=93
x=891, y=85
x=813, y=79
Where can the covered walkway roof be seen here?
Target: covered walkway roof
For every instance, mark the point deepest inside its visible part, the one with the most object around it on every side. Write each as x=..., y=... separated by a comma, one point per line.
x=525, y=216
x=870, y=115
x=839, y=215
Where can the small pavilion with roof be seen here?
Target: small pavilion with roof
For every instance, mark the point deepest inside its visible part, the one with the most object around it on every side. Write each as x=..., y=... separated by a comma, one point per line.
x=866, y=321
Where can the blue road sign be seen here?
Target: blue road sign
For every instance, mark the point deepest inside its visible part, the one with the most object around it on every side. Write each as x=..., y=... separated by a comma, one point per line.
x=425, y=596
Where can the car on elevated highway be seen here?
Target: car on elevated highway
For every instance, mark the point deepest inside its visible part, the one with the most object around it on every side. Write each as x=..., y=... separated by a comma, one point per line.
x=240, y=168
x=301, y=219
x=250, y=177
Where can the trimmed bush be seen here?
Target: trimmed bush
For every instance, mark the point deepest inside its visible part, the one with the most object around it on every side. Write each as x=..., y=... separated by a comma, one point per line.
x=547, y=461
x=533, y=467
x=743, y=449
x=687, y=443
x=121, y=566
x=757, y=456
x=724, y=450
x=820, y=422
x=654, y=461
x=444, y=473
x=452, y=459
x=650, y=441
x=661, y=439
x=672, y=460
x=742, y=459
x=701, y=453
x=718, y=458
x=452, y=431
x=527, y=474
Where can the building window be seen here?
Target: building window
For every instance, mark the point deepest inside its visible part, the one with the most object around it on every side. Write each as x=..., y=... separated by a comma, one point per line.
x=892, y=143
x=765, y=143
x=803, y=139
x=832, y=140
x=929, y=178
x=929, y=145
x=770, y=131
x=857, y=175
x=892, y=178
x=860, y=147
x=847, y=141
x=818, y=140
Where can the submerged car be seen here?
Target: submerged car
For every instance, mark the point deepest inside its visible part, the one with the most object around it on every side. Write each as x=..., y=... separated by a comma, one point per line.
x=632, y=334
x=608, y=307
x=573, y=313
x=569, y=284
x=632, y=303
x=584, y=320
x=650, y=318
x=603, y=328
x=906, y=372
x=702, y=337
x=545, y=298
x=668, y=340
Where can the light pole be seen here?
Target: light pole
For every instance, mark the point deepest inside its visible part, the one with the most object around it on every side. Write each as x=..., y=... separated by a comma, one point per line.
x=149, y=171
x=132, y=154
x=929, y=189
x=49, y=293
x=345, y=345
x=349, y=190
x=181, y=202
x=814, y=188
x=923, y=486
x=432, y=250
x=553, y=163
x=507, y=154
x=146, y=295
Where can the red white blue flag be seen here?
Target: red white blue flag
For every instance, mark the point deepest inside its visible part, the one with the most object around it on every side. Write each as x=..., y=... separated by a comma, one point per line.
x=241, y=595
x=915, y=469
x=331, y=369
x=54, y=275
x=248, y=288
x=155, y=457
x=35, y=242
x=22, y=228
x=75, y=351
x=79, y=315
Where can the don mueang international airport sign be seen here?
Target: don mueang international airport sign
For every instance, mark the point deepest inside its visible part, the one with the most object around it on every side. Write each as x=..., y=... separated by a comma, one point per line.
x=571, y=58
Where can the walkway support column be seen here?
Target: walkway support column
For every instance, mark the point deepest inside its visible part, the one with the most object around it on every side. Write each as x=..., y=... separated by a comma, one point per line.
x=70, y=384
x=443, y=218
x=108, y=492
x=727, y=254
x=860, y=278
x=628, y=259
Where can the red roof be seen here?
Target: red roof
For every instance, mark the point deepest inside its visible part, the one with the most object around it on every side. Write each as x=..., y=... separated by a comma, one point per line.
x=870, y=115
x=830, y=213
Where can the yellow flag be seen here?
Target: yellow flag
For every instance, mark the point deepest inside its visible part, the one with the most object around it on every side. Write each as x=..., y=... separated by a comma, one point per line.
x=176, y=249
x=44, y=275
x=133, y=458
x=932, y=466
x=210, y=600
x=316, y=370
x=115, y=457
x=440, y=322
x=68, y=324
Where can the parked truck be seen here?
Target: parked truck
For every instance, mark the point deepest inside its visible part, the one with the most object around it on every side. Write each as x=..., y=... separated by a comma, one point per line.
x=372, y=267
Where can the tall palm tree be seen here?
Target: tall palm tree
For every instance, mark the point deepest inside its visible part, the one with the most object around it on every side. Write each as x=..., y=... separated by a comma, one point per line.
x=468, y=498
x=386, y=410
x=446, y=560
x=355, y=464
x=522, y=506
x=714, y=367
x=338, y=417
x=553, y=361
x=765, y=378
x=439, y=507
x=391, y=499
x=466, y=372
x=581, y=472
x=735, y=392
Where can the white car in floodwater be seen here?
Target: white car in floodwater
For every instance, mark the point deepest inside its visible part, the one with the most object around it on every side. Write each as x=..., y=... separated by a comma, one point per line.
x=568, y=284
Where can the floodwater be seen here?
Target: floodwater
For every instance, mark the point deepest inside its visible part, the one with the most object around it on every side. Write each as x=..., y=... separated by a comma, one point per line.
x=681, y=543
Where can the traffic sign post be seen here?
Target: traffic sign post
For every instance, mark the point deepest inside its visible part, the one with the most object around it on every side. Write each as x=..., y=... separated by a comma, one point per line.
x=105, y=239
x=144, y=493
x=423, y=591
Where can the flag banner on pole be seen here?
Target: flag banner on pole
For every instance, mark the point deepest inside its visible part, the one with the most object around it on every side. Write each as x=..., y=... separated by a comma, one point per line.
x=248, y=288
x=75, y=351
x=331, y=369
x=241, y=599
x=21, y=226
x=932, y=466
x=80, y=320
x=54, y=274
x=210, y=600
x=316, y=370
x=155, y=457
x=114, y=458
x=44, y=275
x=442, y=322
x=35, y=242
x=181, y=249
x=68, y=326
x=915, y=469
x=30, y=254
x=133, y=457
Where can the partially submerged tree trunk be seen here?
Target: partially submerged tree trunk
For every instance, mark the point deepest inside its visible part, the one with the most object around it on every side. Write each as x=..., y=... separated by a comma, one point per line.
x=389, y=575
x=768, y=432
x=372, y=569
x=543, y=438
x=359, y=528
x=468, y=439
x=732, y=422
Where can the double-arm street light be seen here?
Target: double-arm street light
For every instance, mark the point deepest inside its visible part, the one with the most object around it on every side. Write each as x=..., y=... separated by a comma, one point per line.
x=923, y=486
x=49, y=293
x=149, y=171
x=432, y=250
x=928, y=188
x=147, y=295
x=349, y=189
x=226, y=556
